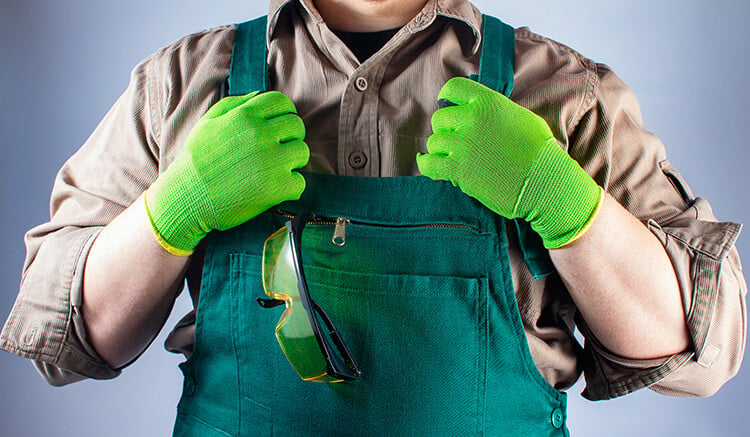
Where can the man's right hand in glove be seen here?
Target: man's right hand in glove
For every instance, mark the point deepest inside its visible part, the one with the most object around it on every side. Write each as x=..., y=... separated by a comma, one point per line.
x=237, y=162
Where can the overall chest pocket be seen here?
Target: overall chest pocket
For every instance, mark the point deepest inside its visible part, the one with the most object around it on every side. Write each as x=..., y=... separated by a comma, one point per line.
x=420, y=340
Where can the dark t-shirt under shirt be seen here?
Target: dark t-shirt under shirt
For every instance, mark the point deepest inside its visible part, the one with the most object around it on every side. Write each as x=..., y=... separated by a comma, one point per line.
x=365, y=44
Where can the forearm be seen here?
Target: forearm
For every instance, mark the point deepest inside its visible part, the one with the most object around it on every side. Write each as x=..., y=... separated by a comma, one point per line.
x=507, y=157
x=129, y=286
x=237, y=161
x=624, y=285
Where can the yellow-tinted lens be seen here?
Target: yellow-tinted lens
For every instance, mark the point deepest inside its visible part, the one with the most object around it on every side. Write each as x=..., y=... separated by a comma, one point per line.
x=294, y=330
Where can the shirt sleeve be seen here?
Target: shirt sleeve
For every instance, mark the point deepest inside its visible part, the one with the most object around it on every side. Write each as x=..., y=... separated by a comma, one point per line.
x=609, y=140
x=139, y=137
x=99, y=181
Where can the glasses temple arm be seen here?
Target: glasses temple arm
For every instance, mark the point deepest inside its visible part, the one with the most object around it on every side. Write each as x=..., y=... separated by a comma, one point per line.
x=337, y=340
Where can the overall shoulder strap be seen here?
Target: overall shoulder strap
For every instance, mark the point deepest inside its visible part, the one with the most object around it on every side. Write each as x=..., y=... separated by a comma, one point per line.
x=498, y=55
x=496, y=71
x=248, y=71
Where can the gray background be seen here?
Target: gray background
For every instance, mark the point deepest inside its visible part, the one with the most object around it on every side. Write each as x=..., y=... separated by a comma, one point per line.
x=63, y=64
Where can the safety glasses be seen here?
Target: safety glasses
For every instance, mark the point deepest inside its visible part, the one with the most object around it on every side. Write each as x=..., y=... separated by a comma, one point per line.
x=314, y=355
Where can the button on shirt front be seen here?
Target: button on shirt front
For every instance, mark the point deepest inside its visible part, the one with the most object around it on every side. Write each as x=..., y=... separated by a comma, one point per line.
x=357, y=159
x=380, y=107
x=360, y=83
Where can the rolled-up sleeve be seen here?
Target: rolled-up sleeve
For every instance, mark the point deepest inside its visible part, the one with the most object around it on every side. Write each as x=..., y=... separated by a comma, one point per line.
x=98, y=182
x=609, y=140
x=139, y=137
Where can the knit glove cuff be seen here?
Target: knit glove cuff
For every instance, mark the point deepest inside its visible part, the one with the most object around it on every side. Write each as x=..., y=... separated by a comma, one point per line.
x=559, y=199
x=174, y=210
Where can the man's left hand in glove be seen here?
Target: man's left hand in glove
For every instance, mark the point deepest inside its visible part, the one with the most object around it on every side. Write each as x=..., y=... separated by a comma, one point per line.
x=506, y=157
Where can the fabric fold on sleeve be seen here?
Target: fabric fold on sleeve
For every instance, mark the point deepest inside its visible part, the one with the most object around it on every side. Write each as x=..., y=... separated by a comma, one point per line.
x=608, y=138
x=137, y=138
x=709, y=274
x=46, y=325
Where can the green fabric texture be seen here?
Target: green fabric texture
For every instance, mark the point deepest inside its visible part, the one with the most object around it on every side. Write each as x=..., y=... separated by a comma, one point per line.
x=237, y=162
x=506, y=157
x=421, y=292
x=248, y=70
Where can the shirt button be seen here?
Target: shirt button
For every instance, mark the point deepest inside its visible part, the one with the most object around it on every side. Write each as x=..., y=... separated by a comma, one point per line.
x=360, y=83
x=558, y=418
x=357, y=159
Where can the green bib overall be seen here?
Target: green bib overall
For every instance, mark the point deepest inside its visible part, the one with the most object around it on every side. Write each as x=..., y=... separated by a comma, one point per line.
x=420, y=290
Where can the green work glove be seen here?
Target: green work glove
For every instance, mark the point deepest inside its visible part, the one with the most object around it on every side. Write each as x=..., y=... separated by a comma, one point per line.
x=237, y=162
x=506, y=157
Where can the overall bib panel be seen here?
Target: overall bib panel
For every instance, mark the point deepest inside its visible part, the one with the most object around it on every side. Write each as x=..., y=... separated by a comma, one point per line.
x=420, y=290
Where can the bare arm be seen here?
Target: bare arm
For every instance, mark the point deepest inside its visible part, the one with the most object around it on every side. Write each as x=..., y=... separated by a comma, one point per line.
x=129, y=286
x=623, y=283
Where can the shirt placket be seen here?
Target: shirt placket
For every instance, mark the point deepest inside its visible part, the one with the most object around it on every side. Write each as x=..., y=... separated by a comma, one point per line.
x=358, y=151
x=358, y=148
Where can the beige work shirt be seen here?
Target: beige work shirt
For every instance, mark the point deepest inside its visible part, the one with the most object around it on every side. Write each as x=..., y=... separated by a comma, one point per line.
x=371, y=119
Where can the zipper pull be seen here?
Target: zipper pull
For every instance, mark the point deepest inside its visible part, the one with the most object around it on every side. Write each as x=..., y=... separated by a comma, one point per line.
x=339, y=232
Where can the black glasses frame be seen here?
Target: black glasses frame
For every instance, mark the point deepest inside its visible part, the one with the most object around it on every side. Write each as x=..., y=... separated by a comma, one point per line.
x=338, y=365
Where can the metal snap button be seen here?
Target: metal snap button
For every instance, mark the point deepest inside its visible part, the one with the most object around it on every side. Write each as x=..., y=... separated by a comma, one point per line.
x=357, y=159
x=360, y=83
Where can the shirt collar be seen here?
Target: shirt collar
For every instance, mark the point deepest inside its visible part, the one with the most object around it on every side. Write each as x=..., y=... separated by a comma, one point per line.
x=460, y=10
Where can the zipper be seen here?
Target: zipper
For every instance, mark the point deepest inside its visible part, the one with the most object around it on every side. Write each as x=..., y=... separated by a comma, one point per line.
x=339, y=224
x=339, y=231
